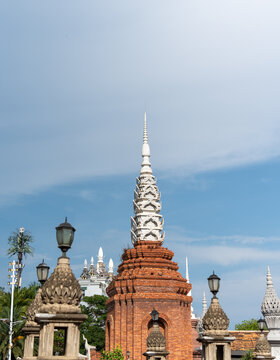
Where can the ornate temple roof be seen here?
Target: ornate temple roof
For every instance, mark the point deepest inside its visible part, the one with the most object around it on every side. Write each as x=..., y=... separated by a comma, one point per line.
x=271, y=302
x=100, y=270
x=147, y=224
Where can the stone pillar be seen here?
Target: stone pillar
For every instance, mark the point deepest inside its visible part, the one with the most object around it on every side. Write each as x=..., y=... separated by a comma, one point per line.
x=156, y=344
x=262, y=349
x=215, y=337
x=30, y=335
x=60, y=310
x=31, y=329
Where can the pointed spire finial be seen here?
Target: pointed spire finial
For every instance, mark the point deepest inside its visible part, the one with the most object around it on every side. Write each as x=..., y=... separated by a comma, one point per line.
x=269, y=278
x=146, y=165
x=145, y=136
x=91, y=261
x=100, y=255
x=204, y=305
x=85, y=264
x=111, y=267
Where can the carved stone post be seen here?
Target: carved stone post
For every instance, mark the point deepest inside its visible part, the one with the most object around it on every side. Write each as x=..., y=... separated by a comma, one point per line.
x=60, y=315
x=156, y=344
x=262, y=349
x=215, y=336
x=31, y=328
x=271, y=312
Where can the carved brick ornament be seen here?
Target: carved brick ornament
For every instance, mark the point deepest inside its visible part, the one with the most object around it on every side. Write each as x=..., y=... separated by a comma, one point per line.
x=155, y=340
x=262, y=347
x=215, y=321
x=33, y=309
x=62, y=292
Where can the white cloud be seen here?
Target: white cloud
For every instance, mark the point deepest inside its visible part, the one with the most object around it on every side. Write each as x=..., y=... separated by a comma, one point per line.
x=229, y=255
x=207, y=73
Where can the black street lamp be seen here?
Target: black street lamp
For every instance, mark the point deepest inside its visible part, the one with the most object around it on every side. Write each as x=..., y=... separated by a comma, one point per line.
x=65, y=236
x=154, y=315
x=42, y=272
x=261, y=324
x=214, y=284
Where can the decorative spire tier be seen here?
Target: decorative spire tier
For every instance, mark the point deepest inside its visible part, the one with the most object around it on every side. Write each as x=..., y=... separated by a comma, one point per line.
x=61, y=293
x=271, y=302
x=147, y=224
x=215, y=322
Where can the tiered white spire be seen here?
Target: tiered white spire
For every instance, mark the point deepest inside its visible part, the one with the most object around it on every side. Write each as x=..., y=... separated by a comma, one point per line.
x=187, y=274
x=271, y=302
x=85, y=264
x=100, y=255
x=92, y=270
x=111, y=267
x=147, y=223
x=204, y=305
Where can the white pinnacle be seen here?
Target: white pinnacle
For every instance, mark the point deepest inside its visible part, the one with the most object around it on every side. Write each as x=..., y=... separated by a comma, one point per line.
x=271, y=303
x=204, y=305
x=269, y=278
x=187, y=274
x=85, y=264
x=146, y=165
x=100, y=255
x=91, y=261
x=147, y=224
x=111, y=267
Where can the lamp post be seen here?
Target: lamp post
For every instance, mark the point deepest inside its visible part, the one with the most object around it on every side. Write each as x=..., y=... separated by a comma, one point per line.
x=214, y=284
x=42, y=272
x=154, y=315
x=261, y=324
x=65, y=236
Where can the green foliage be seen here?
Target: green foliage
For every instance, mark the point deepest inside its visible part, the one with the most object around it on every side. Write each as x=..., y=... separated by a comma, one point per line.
x=20, y=243
x=115, y=354
x=94, y=327
x=247, y=325
x=248, y=355
x=22, y=299
x=59, y=342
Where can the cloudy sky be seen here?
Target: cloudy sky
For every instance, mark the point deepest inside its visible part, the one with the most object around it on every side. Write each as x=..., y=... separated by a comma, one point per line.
x=76, y=78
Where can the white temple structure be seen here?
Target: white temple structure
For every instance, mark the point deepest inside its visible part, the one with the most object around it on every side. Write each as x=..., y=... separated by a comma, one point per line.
x=271, y=311
x=94, y=280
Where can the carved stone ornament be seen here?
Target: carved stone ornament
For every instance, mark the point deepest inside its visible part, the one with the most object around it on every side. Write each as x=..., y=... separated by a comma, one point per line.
x=271, y=304
x=147, y=224
x=33, y=309
x=62, y=292
x=262, y=347
x=155, y=340
x=215, y=321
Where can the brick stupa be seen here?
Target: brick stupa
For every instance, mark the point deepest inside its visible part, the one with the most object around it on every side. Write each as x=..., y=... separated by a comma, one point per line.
x=148, y=279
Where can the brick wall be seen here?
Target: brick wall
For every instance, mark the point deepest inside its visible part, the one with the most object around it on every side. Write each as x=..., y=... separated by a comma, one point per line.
x=147, y=279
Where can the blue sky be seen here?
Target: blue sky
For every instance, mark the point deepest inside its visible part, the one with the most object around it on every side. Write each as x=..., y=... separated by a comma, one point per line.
x=76, y=78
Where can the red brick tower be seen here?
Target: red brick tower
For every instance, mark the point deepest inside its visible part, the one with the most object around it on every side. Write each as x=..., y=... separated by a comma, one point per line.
x=148, y=279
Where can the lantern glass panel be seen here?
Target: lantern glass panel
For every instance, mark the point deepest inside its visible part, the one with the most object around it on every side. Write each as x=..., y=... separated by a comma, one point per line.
x=59, y=236
x=154, y=315
x=68, y=237
x=261, y=324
